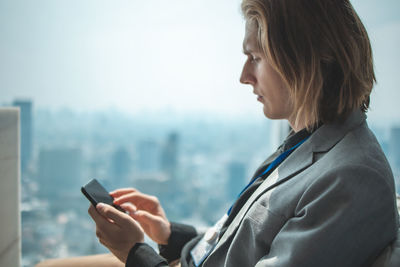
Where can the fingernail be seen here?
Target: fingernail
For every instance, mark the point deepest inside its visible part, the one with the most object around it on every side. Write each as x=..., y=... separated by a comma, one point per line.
x=100, y=206
x=133, y=212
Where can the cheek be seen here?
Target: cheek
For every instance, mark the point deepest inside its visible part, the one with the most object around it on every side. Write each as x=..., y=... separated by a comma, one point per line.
x=272, y=89
x=285, y=93
x=277, y=88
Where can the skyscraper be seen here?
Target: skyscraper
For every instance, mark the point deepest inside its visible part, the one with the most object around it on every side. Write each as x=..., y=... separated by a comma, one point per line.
x=120, y=166
x=236, y=179
x=169, y=155
x=60, y=171
x=26, y=131
x=394, y=145
x=148, y=155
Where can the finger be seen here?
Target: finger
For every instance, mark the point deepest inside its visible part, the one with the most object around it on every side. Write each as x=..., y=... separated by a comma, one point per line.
x=136, y=198
x=104, y=242
x=112, y=213
x=145, y=217
x=101, y=221
x=129, y=207
x=99, y=234
x=122, y=191
x=94, y=214
x=91, y=208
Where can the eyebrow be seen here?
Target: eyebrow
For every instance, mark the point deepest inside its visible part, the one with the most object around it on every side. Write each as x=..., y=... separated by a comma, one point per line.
x=247, y=51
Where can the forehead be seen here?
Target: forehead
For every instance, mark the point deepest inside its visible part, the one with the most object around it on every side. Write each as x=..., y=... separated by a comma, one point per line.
x=250, y=42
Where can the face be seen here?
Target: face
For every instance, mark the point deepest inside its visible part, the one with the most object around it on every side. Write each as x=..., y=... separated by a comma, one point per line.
x=267, y=84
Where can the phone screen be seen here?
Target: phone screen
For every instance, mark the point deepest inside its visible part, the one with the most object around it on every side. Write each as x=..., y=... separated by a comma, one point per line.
x=96, y=193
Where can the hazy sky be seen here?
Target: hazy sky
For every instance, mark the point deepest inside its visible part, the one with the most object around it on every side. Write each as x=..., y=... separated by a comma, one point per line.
x=133, y=55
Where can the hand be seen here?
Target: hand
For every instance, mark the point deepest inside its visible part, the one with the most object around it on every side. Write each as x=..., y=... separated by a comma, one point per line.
x=147, y=211
x=116, y=230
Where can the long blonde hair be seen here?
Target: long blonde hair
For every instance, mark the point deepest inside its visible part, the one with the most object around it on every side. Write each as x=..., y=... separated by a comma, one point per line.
x=322, y=51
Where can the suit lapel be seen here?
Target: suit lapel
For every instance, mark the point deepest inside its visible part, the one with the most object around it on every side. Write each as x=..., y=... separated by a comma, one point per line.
x=300, y=159
x=272, y=178
x=322, y=140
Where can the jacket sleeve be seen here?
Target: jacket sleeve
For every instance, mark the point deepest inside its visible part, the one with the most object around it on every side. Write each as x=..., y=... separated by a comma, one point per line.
x=343, y=219
x=143, y=255
x=180, y=235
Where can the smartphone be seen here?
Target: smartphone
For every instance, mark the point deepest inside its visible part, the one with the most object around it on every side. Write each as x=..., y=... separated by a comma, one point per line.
x=96, y=193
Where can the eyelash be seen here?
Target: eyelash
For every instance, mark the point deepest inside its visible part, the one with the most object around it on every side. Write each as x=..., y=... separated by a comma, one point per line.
x=253, y=59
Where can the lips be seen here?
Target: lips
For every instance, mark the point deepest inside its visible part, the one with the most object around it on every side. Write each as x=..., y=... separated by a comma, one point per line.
x=259, y=97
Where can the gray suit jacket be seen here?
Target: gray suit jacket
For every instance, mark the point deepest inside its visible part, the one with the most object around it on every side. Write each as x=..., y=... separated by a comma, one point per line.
x=330, y=203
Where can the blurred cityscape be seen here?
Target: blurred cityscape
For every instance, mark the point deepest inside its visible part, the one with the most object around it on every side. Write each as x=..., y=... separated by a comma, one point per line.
x=196, y=165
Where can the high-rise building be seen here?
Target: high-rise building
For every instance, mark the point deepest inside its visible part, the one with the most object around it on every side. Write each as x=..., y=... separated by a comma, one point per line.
x=148, y=156
x=60, y=172
x=26, y=131
x=10, y=230
x=236, y=179
x=394, y=155
x=169, y=155
x=394, y=145
x=120, y=166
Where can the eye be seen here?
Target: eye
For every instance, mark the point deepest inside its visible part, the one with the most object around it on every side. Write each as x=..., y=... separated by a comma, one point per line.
x=254, y=59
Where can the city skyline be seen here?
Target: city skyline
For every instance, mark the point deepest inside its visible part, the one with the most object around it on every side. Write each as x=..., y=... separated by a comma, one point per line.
x=139, y=56
x=154, y=156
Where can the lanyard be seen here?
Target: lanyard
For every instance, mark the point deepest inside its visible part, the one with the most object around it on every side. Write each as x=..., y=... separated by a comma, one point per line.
x=271, y=166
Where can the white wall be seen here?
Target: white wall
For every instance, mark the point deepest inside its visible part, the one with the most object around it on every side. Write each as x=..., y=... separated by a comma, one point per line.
x=10, y=223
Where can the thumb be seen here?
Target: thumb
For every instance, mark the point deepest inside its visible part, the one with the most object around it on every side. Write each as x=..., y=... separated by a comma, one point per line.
x=112, y=213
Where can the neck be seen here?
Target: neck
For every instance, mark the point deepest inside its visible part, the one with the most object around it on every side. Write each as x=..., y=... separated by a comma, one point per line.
x=297, y=127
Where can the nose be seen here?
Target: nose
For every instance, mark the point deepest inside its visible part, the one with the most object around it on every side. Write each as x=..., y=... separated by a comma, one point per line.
x=246, y=77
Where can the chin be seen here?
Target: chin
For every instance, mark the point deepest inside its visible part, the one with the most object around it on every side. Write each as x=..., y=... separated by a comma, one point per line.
x=272, y=116
x=269, y=115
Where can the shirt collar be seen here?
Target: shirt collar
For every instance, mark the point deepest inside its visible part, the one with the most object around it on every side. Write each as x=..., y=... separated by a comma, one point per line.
x=294, y=138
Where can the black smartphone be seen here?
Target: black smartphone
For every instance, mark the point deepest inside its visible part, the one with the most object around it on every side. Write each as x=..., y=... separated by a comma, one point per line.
x=96, y=193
